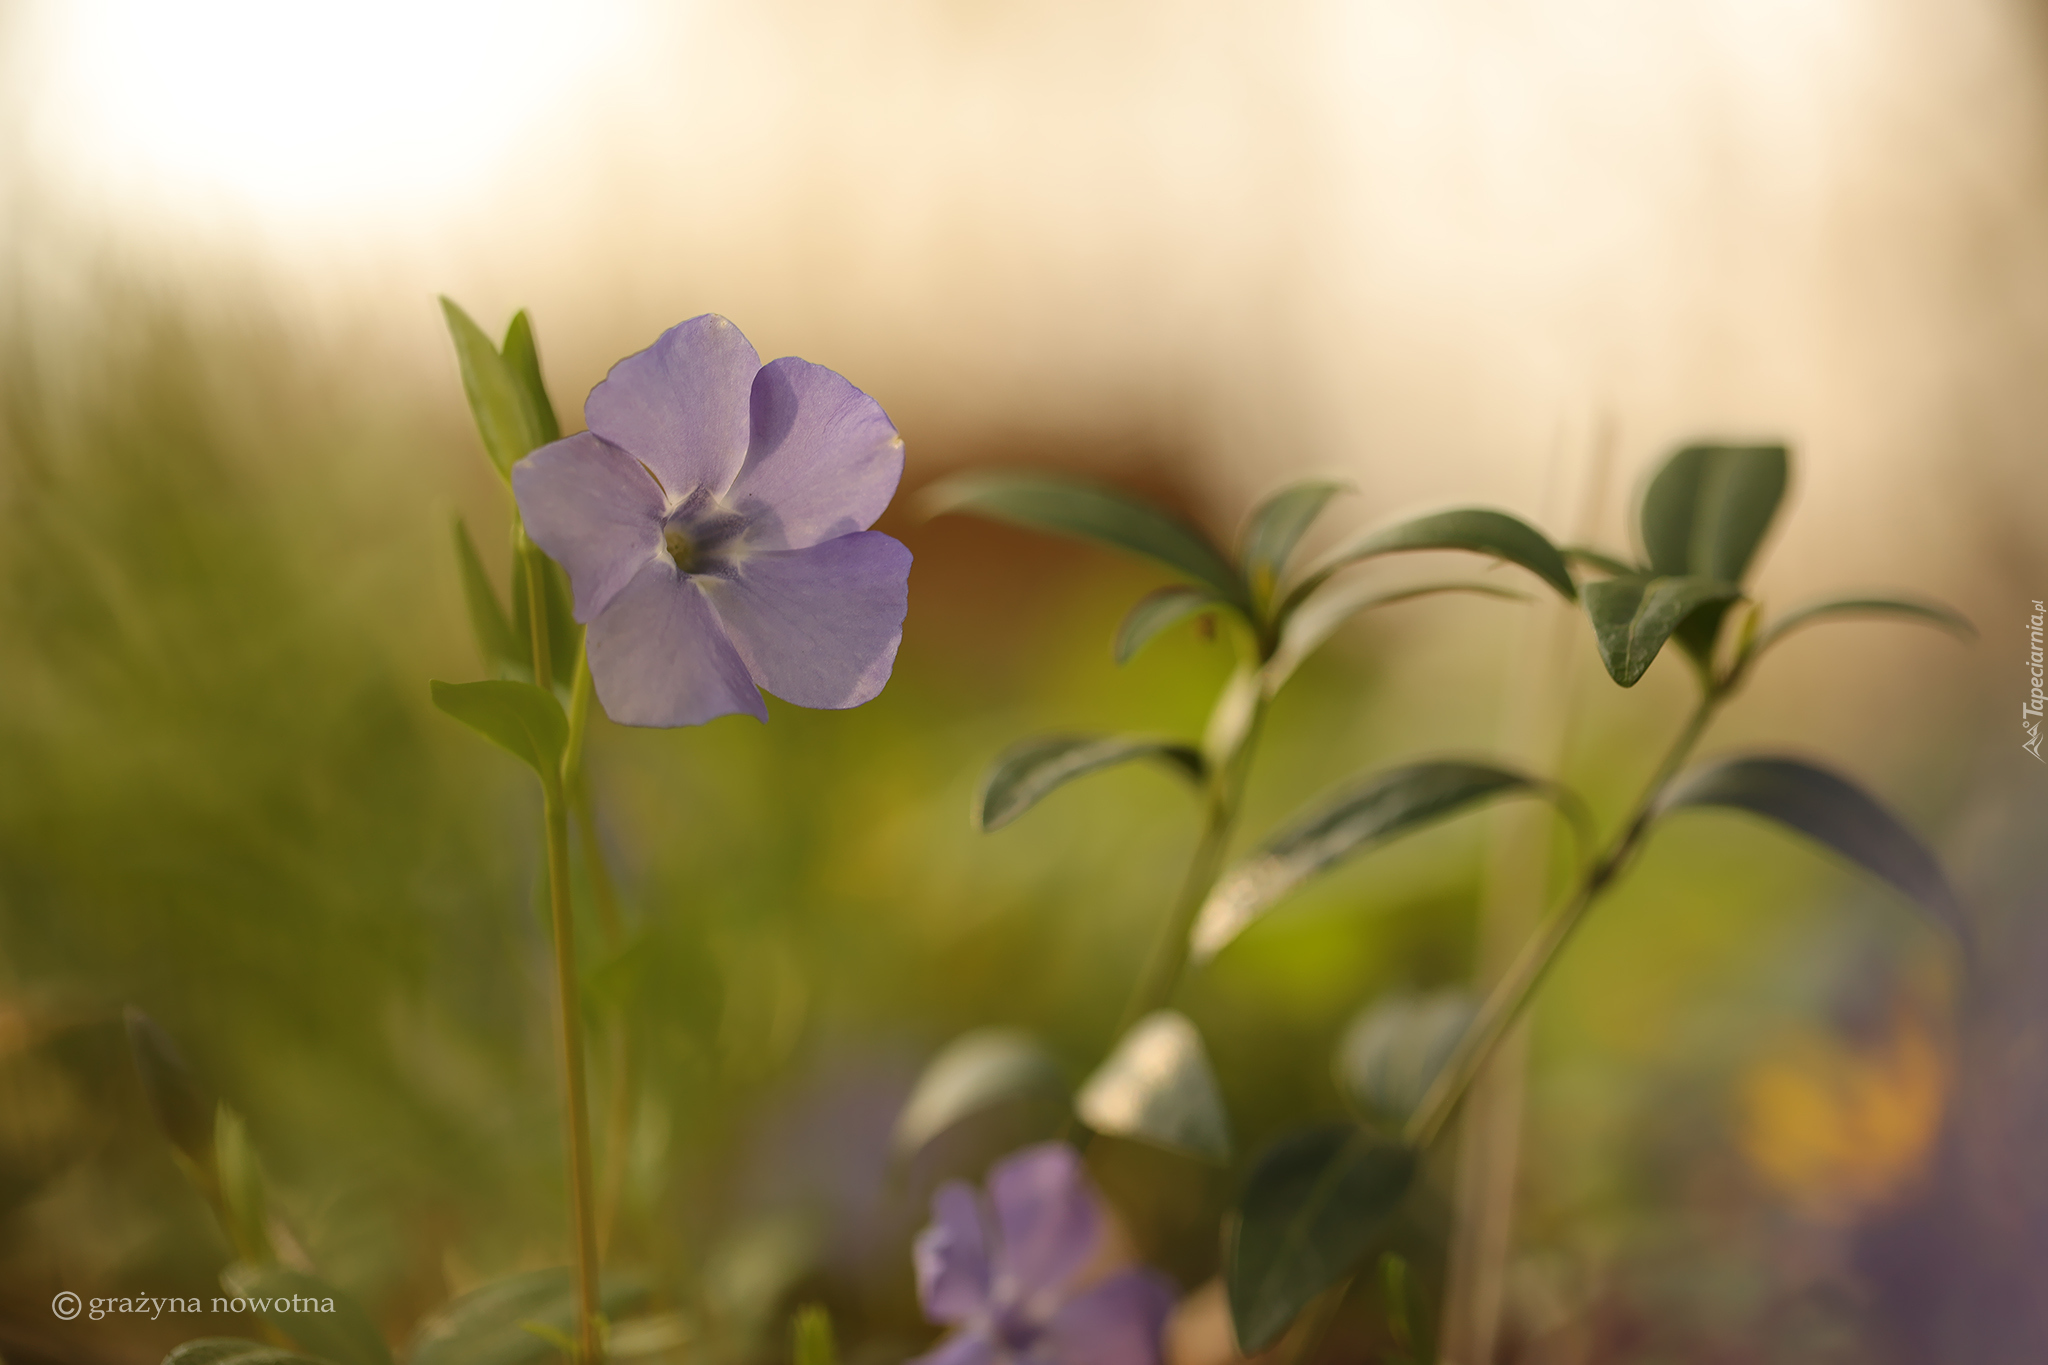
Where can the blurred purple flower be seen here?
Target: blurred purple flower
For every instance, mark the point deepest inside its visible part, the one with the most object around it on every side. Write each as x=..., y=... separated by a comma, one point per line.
x=714, y=520
x=1005, y=1271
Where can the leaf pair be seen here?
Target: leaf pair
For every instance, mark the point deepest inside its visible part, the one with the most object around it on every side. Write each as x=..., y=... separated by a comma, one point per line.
x=1156, y=1087
x=1702, y=518
x=504, y=387
x=1250, y=588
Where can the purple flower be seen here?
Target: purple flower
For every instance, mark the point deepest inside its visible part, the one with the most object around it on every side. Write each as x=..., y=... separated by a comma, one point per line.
x=714, y=520
x=1006, y=1271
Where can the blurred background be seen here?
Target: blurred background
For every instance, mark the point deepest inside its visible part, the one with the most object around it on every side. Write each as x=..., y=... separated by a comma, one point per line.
x=1467, y=251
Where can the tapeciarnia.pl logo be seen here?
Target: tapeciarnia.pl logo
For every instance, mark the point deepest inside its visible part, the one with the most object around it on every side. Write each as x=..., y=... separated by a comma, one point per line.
x=2030, y=710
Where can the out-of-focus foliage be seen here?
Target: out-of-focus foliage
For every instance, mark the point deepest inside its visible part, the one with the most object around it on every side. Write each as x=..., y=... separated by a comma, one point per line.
x=224, y=580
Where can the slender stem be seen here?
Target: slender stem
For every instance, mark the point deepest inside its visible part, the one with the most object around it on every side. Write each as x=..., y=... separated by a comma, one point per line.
x=1512, y=993
x=1168, y=959
x=579, y=718
x=582, y=1202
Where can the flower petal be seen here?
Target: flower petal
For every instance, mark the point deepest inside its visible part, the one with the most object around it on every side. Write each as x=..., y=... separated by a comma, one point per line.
x=594, y=510
x=1047, y=1215
x=658, y=655
x=951, y=1256
x=1118, y=1322
x=818, y=626
x=823, y=459
x=681, y=405
x=971, y=1347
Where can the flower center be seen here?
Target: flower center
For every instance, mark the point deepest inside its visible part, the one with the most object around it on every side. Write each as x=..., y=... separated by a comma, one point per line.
x=702, y=537
x=682, y=548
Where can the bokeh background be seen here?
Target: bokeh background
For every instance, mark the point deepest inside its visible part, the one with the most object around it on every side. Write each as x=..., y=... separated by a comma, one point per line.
x=1470, y=251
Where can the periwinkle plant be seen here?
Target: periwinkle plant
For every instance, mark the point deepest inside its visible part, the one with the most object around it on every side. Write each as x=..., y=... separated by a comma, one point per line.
x=1315, y=1204
x=713, y=526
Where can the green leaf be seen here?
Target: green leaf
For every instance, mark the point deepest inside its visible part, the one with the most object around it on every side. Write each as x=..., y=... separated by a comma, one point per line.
x=496, y=396
x=1633, y=617
x=245, y=1199
x=1026, y=772
x=1337, y=826
x=1833, y=811
x=1275, y=527
x=1393, y=1049
x=517, y=717
x=523, y=359
x=1931, y=613
x=977, y=1071
x=494, y=637
x=1596, y=559
x=1477, y=529
x=1157, y=612
x=1313, y=1207
x=810, y=1336
x=182, y=1109
x=1312, y=623
x=235, y=1351
x=1703, y=516
x=1706, y=511
x=1091, y=512
x=319, y=1318
x=1157, y=1087
x=485, y=1326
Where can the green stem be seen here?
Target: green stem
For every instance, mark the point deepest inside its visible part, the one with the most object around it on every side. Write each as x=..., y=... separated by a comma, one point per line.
x=1512, y=993
x=1168, y=958
x=582, y=1201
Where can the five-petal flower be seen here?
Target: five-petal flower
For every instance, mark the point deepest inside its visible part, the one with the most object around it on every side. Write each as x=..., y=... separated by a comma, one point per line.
x=713, y=521
x=1010, y=1272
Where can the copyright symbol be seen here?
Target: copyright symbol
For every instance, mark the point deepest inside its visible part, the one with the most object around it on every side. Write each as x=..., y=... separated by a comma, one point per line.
x=66, y=1305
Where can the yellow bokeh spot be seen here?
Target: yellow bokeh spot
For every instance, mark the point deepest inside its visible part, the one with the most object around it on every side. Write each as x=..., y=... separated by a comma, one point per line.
x=1836, y=1128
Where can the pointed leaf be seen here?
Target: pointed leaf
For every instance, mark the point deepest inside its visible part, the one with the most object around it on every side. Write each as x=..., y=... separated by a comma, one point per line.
x=494, y=638
x=1312, y=624
x=244, y=1195
x=1091, y=512
x=1275, y=527
x=319, y=1318
x=235, y=1351
x=976, y=1071
x=1393, y=1049
x=1633, y=617
x=1314, y=1206
x=1832, y=810
x=1340, y=825
x=518, y=717
x=1931, y=613
x=1477, y=529
x=1157, y=612
x=1158, y=1087
x=496, y=397
x=182, y=1109
x=523, y=359
x=1706, y=511
x=489, y=1325
x=1026, y=772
